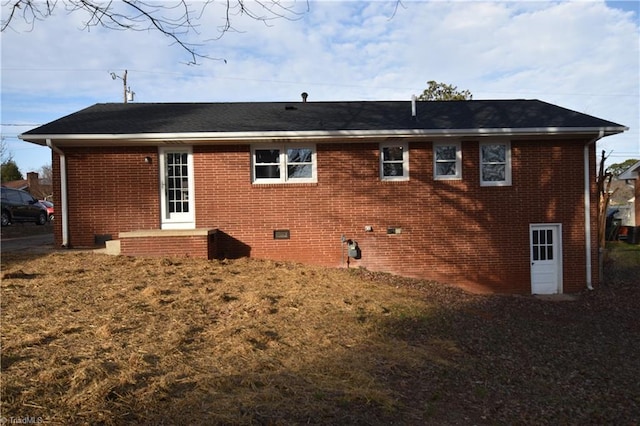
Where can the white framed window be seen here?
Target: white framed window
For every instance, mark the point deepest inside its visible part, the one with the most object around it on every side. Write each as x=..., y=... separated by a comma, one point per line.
x=284, y=163
x=447, y=161
x=495, y=164
x=394, y=161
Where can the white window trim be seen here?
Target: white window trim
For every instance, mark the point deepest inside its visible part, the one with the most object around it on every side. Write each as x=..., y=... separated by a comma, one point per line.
x=507, y=172
x=283, y=164
x=458, y=174
x=405, y=161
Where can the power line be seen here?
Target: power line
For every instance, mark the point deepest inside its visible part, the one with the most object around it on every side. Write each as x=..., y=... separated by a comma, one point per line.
x=315, y=83
x=20, y=125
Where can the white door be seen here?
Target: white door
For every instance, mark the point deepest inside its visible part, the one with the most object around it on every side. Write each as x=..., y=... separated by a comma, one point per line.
x=546, y=259
x=176, y=188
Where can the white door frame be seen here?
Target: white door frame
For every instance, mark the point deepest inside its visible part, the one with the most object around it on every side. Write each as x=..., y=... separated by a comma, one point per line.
x=545, y=256
x=170, y=219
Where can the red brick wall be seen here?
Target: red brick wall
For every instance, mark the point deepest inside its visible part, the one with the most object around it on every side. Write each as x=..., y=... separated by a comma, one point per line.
x=452, y=231
x=110, y=190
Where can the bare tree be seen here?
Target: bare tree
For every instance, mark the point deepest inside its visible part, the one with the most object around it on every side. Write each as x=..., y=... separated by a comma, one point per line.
x=176, y=19
x=5, y=154
x=604, y=196
x=46, y=174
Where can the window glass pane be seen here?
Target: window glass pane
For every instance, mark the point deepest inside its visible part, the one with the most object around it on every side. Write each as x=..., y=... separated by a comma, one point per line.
x=550, y=252
x=299, y=171
x=493, y=172
x=392, y=169
x=494, y=153
x=281, y=163
x=535, y=237
x=535, y=253
x=549, y=237
x=267, y=155
x=267, y=172
x=446, y=168
x=444, y=153
x=543, y=254
x=14, y=196
x=392, y=153
x=299, y=155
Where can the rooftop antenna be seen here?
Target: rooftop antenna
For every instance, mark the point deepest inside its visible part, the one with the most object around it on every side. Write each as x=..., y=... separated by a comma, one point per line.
x=128, y=94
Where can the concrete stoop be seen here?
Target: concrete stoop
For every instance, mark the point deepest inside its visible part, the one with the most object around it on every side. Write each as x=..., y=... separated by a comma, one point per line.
x=112, y=247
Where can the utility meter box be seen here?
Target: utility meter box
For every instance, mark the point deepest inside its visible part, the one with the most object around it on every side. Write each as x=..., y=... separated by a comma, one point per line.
x=353, y=250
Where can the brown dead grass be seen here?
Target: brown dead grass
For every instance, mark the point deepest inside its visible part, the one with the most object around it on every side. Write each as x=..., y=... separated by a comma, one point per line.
x=94, y=339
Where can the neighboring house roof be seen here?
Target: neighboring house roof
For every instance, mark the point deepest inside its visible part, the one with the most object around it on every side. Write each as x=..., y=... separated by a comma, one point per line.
x=241, y=121
x=37, y=187
x=631, y=173
x=17, y=184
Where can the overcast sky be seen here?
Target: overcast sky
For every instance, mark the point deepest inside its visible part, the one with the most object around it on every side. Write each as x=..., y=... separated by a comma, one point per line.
x=583, y=55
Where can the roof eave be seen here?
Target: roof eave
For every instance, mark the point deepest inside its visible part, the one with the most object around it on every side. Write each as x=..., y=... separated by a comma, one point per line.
x=631, y=173
x=231, y=137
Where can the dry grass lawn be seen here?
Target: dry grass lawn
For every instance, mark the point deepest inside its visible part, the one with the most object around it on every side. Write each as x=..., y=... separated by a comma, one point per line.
x=94, y=339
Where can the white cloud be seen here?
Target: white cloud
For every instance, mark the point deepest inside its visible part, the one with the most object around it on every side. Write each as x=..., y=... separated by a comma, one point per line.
x=581, y=55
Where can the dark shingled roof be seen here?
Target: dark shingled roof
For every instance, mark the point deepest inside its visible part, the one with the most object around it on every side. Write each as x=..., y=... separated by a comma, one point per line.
x=149, y=118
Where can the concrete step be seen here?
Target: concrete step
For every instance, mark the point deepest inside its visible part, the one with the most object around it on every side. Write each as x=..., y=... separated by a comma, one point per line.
x=112, y=247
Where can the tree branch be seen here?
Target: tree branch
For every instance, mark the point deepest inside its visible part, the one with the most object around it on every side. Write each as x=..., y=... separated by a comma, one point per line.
x=175, y=19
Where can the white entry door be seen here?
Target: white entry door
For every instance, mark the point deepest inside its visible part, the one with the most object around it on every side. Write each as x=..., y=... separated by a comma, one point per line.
x=176, y=188
x=546, y=259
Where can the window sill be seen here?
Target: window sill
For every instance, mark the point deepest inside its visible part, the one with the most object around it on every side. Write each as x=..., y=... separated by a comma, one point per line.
x=283, y=184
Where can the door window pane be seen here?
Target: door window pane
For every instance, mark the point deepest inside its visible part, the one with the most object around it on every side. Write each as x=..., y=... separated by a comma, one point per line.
x=177, y=183
x=542, y=244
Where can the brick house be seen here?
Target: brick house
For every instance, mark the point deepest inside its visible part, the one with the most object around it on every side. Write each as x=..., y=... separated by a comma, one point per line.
x=495, y=195
x=39, y=188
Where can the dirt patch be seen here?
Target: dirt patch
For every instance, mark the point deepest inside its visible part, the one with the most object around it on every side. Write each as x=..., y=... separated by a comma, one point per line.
x=95, y=339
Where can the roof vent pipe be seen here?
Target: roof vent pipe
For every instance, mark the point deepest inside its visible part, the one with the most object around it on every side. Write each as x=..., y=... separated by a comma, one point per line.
x=413, y=106
x=304, y=95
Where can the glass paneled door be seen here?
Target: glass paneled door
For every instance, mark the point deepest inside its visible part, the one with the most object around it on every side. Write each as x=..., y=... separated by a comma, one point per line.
x=546, y=258
x=176, y=188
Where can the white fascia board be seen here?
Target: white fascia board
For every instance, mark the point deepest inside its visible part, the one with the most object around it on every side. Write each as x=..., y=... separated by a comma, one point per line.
x=226, y=137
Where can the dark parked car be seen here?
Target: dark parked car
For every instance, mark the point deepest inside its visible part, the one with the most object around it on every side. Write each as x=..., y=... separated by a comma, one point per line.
x=48, y=206
x=20, y=206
